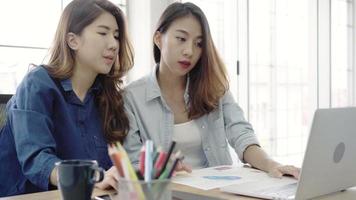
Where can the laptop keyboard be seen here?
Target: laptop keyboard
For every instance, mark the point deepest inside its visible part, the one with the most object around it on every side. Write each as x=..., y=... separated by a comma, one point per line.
x=285, y=191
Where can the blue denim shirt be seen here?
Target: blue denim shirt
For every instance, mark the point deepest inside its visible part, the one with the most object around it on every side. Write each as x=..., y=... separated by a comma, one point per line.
x=151, y=118
x=44, y=127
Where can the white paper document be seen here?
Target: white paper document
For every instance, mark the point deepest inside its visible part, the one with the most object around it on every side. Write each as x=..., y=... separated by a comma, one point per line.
x=225, y=175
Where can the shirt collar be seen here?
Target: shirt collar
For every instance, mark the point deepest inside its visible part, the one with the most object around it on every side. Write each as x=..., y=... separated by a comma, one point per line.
x=67, y=85
x=153, y=90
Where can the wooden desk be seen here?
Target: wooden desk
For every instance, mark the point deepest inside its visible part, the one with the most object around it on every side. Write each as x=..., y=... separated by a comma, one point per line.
x=180, y=192
x=186, y=192
x=50, y=195
x=197, y=194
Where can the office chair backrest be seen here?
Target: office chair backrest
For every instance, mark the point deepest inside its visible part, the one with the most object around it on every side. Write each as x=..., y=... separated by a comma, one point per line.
x=4, y=98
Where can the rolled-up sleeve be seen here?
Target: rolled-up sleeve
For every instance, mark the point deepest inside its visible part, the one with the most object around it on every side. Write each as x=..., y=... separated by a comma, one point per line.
x=32, y=130
x=239, y=132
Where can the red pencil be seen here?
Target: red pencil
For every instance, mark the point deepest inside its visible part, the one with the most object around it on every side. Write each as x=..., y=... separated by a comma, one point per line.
x=142, y=160
x=159, y=163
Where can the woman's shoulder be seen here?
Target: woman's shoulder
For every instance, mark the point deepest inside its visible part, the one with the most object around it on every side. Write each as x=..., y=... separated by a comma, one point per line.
x=136, y=90
x=227, y=97
x=37, y=75
x=37, y=82
x=137, y=85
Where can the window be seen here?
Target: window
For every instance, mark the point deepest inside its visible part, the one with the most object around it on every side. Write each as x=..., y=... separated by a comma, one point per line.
x=282, y=49
x=27, y=30
x=341, y=50
x=281, y=79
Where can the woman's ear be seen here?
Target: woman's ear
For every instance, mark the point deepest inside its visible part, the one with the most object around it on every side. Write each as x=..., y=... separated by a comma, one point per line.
x=72, y=41
x=157, y=39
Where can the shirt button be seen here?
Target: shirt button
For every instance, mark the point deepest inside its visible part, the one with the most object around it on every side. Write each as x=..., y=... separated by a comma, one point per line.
x=203, y=126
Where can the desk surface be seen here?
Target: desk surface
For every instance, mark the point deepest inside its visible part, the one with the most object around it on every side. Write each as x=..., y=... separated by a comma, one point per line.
x=180, y=192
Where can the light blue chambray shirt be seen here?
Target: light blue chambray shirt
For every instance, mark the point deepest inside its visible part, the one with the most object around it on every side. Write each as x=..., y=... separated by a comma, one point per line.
x=151, y=118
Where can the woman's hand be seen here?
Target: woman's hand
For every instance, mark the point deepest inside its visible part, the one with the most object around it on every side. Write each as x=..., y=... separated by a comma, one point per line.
x=279, y=170
x=183, y=167
x=259, y=159
x=111, y=179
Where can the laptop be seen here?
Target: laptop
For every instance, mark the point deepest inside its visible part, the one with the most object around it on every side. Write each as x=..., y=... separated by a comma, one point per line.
x=329, y=163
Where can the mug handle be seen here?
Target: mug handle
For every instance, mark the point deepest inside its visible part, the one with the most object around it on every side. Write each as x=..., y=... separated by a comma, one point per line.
x=95, y=178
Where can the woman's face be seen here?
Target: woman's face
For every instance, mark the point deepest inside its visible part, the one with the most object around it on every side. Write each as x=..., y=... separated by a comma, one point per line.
x=97, y=47
x=180, y=45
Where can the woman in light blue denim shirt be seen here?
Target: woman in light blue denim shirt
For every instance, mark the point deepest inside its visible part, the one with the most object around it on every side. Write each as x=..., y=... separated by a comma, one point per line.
x=188, y=94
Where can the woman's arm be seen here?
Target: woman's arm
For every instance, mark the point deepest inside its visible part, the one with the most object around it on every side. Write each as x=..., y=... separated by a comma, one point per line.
x=241, y=137
x=32, y=128
x=239, y=131
x=258, y=158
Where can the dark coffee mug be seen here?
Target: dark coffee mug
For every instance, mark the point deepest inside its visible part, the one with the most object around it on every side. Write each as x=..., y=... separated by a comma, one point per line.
x=76, y=178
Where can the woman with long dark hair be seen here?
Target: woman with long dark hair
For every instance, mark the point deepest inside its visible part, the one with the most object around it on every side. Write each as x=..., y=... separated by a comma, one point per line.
x=187, y=99
x=71, y=107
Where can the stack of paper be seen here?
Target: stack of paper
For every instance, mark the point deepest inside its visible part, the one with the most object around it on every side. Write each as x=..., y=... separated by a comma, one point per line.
x=225, y=175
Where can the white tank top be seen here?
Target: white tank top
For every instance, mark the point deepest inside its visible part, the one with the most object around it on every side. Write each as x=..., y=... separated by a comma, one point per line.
x=188, y=138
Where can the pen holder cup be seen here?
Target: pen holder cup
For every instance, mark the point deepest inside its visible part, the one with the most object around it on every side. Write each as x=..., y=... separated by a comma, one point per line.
x=141, y=190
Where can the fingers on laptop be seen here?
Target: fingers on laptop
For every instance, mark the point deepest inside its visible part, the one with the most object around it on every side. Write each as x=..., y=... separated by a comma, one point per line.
x=275, y=172
x=281, y=170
